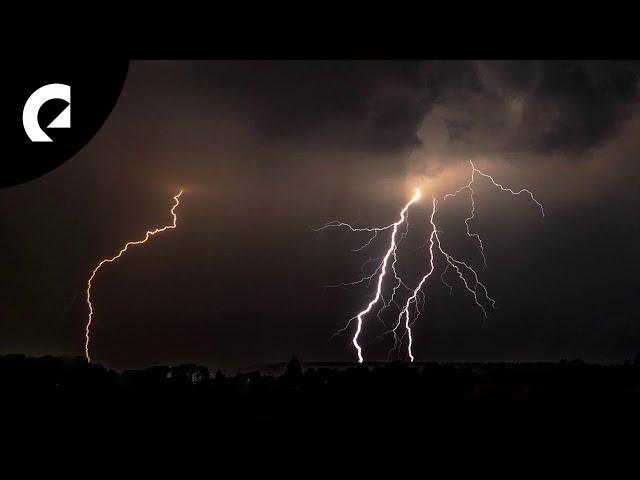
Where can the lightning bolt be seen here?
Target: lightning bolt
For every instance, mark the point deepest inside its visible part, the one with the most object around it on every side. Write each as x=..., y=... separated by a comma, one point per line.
x=465, y=272
x=381, y=270
x=148, y=235
x=469, y=186
x=458, y=265
x=414, y=296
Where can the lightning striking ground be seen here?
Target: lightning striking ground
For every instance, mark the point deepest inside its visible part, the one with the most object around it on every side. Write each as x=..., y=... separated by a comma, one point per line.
x=458, y=265
x=465, y=272
x=382, y=268
x=148, y=235
x=414, y=296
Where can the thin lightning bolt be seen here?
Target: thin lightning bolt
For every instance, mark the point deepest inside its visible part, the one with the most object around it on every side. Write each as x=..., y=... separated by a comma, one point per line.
x=444, y=282
x=469, y=186
x=513, y=192
x=148, y=235
x=456, y=264
x=472, y=215
x=382, y=268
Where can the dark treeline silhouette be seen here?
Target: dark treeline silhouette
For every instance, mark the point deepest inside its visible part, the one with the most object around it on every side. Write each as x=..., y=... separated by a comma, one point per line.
x=63, y=387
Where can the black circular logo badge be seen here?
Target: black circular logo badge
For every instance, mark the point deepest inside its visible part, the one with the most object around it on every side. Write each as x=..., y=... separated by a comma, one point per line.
x=56, y=107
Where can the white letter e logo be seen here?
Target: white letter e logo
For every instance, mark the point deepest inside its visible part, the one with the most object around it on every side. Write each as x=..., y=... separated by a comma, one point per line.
x=32, y=107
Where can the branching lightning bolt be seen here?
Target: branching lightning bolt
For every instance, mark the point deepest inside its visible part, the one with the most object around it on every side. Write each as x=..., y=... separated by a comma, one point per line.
x=465, y=272
x=472, y=214
x=453, y=262
x=414, y=296
x=148, y=235
x=469, y=186
x=382, y=267
x=457, y=265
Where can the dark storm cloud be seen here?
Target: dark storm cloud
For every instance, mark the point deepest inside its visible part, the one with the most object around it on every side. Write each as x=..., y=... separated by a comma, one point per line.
x=458, y=109
x=591, y=98
x=363, y=105
x=546, y=107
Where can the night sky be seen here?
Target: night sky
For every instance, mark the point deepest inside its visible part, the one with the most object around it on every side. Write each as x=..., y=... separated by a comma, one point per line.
x=268, y=151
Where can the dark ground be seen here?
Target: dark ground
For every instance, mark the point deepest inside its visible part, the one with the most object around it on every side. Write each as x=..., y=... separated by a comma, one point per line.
x=62, y=387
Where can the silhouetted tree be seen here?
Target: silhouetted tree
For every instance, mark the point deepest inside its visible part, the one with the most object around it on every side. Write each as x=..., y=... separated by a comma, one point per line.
x=294, y=369
x=293, y=373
